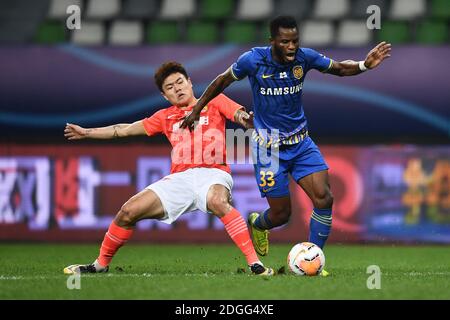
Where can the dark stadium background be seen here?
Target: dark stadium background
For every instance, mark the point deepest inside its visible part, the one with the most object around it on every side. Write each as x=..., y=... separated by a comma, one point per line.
x=385, y=133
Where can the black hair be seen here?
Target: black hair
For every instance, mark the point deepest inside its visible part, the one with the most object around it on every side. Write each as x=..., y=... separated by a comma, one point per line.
x=281, y=22
x=166, y=70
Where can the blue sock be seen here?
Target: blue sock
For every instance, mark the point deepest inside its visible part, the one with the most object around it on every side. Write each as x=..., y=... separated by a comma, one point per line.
x=320, y=226
x=263, y=221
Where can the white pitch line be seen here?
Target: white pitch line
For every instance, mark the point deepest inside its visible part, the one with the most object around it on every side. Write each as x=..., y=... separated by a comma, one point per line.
x=414, y=274
x=110, y=275
x=149, y=275
x=206, y=275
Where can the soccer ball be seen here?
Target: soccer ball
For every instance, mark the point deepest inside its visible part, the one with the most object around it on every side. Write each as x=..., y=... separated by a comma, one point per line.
x=306, y=258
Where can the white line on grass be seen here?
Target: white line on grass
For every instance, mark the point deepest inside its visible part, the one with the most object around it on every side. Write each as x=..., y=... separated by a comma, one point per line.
x=109, y=275
x=206, y=275
x=421, y=274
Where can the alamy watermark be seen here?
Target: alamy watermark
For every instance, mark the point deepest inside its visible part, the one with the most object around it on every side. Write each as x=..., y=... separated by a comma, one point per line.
x=374, y=20
x=74, y=282
x=374, y=280
x=74, y=20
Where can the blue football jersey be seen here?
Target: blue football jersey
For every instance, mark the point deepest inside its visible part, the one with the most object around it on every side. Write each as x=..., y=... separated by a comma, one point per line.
x=277, y=88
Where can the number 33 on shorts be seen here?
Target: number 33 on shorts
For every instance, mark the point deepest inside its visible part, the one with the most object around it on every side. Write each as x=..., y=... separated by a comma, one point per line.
x=266, y=178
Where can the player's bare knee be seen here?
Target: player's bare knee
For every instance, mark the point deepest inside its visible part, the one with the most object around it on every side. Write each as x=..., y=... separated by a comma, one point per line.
x=219, y=205
x=126, y=215
x=324, y=200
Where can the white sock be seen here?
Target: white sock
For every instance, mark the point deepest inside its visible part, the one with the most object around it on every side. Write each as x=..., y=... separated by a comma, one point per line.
x=98, y=266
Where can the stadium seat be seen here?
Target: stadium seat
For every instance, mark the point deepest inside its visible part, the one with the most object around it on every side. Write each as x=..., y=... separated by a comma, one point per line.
x=440, y=8
x=140, y=9
x=353, y=33
x=407, y=9
x=58, y=8
x=296, y=8
x=316, y=33
x=432, y=32
x=160, y=32
x=51, y=32
x=102, y=9
x=254, y=9
x=394, y=32
x=359, y=7
x=174, y=9
x=241, y=32
x=126, y=33
x=213, y=9
x=331, y=9
x=200, y=32
x=91, y=33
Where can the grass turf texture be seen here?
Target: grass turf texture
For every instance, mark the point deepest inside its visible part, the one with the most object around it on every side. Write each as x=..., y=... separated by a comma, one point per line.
x=215, y=272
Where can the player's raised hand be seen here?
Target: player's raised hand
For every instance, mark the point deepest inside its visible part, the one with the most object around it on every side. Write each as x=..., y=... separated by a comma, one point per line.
x=377, y=55
x=190, y=120
x=74, y=132
x=247, y=120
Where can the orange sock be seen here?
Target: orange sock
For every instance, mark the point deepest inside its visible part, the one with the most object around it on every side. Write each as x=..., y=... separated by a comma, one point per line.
x=113, y=240
x=238, y=231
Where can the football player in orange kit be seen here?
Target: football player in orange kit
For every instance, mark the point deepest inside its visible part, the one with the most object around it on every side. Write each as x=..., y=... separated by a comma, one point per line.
x=199, y=179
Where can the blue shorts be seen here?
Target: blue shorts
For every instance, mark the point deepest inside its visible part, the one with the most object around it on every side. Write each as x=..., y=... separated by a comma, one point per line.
x=272, y=169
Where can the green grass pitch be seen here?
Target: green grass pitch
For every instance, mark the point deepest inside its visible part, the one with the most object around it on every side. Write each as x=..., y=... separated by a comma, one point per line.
x=185, y=272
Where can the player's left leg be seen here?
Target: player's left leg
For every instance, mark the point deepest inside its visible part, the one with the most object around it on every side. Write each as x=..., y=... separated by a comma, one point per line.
x=309, y=170
x=144, y=205
x=311, y=173
x=317, y=187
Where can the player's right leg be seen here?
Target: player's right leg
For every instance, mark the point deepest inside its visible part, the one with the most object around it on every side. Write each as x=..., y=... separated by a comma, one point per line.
x=273, y=183
x=218, y=201
x=259, y=236
x=277, y=215
x=144, y=205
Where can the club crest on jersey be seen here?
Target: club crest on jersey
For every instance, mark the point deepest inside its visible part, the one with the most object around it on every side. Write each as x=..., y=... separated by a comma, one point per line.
x=298, y=72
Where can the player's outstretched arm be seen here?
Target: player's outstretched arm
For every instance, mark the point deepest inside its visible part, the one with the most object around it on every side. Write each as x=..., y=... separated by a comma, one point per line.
x=213, y=90
x=373, y=59
x=75, y=132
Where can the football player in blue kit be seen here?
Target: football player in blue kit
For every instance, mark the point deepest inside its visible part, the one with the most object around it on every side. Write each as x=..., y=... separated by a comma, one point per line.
x=276, y=74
